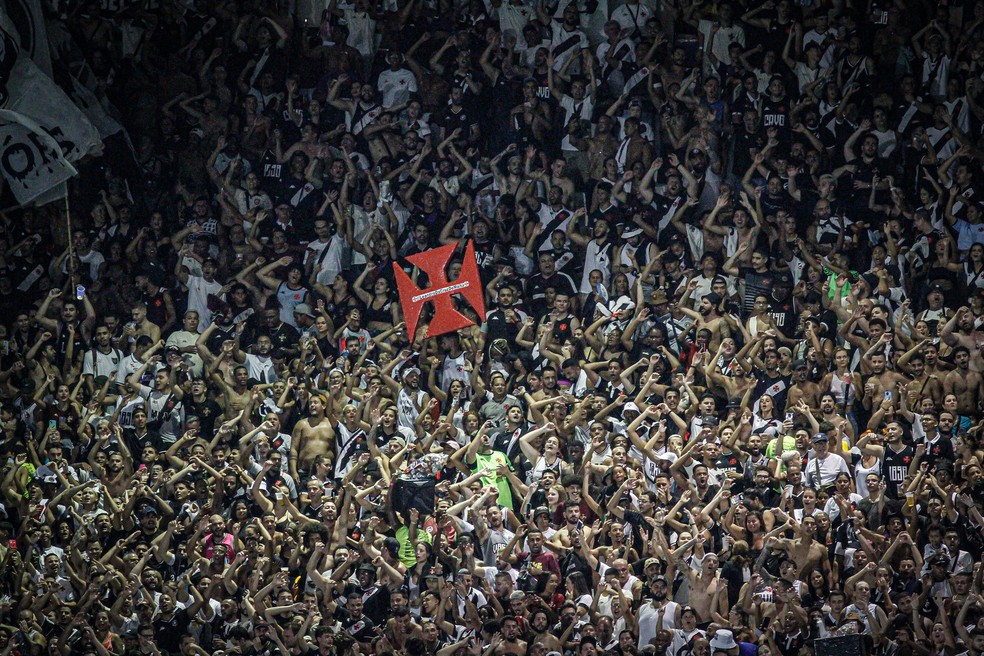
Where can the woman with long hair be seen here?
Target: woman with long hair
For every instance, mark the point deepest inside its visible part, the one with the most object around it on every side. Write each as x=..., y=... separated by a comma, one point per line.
x=846, y=385
x=425, y=560
x=766, y=421
x=549, y=589
x=381, y=312
x=543, y=452
x=748, y=526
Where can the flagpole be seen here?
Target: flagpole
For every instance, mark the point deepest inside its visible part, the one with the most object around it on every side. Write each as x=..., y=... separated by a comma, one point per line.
x=68, y=225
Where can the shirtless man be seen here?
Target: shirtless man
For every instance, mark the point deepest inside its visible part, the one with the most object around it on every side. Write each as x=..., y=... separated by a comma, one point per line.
x=235, y=396
x=513, y=178
x=313, y=436
x=959, y=331
x=142, y=325
x=558, y=179
x=807, y=553
x=508, y=641
x=539, y=627
x=549, y=389
x=708, y=593
x=600, y=148
x=565, y=538
x=802, y=389
x=964, y=383
x=924, y=383
x=707, y=315
x=881, y=379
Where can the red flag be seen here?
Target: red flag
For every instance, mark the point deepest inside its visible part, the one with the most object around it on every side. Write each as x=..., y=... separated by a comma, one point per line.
x=433, y=263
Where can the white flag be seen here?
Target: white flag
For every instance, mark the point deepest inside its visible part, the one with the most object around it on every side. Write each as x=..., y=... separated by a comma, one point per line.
x=25, y=21
x=36, y=96
x=31, y=161
x=87, y=101
x=42, y=132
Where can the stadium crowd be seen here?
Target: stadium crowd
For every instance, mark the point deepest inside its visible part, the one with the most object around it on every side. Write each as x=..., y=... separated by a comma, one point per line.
x=727, y=398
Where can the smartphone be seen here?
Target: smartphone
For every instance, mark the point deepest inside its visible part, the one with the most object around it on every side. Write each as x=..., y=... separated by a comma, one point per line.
x=888, y=395
x=52, y=423
x=789, y=416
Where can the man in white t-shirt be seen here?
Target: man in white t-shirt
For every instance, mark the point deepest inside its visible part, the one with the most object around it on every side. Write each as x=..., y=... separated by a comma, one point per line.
x=720, y=34
x=102, y=360
x=185, y=341
x=325, y=255
x=91, y=259
x=632, y=17
x=396, y=83
x=199, y=287
x=823, y=466
x=513, y=15
x=258, y=364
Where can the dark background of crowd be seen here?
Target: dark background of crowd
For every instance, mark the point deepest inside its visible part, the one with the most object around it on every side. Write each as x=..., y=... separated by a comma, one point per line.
x=727, y=398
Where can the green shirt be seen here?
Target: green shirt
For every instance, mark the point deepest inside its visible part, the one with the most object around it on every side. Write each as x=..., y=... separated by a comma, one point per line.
x=493, y=461
x=408, y=555
x=788, y=444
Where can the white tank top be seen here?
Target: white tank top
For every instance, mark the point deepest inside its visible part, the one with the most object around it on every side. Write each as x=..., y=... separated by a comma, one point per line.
x=843, y=391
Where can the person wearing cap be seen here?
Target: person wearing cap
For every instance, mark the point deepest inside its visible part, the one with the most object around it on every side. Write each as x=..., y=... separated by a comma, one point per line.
x=710, y=265
x=655, y=605
x=823, y=467
x=723, y=640
x=708, y=315
x=685, y=631
x=304, y=318
x=782, y=308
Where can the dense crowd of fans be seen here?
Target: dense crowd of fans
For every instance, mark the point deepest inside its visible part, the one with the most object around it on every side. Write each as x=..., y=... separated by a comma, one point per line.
x=727, y=398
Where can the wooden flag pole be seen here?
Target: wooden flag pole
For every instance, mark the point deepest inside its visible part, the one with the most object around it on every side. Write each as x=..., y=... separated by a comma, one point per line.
x=70, y=265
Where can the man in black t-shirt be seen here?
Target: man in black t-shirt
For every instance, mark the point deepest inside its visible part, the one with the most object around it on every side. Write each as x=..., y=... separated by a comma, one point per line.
x=781, y=307
x=172, y=623
x=375, y=597
x=772, y=382
x=354, y=622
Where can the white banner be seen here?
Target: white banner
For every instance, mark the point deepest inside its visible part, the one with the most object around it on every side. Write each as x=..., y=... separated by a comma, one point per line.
x=93, y=109
x=25, y=21
x=31, y=161
x=36, y=96
x=42, y=132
